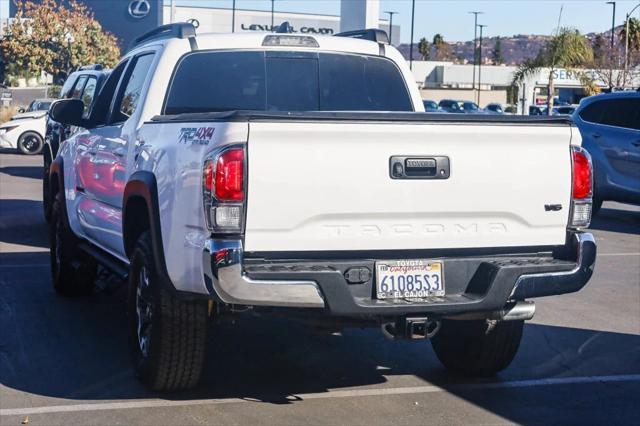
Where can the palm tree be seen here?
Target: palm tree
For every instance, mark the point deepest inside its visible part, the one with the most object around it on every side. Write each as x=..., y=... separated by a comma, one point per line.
x=424, y=49
x=634, y=33
x=442, y=49
x=568, y=49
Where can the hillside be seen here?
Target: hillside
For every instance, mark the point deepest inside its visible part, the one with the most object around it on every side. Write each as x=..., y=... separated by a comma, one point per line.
x=515, y=49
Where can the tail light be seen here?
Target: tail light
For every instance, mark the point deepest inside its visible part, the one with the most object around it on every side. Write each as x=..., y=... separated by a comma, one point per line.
x=582, y=188
x=224, y=190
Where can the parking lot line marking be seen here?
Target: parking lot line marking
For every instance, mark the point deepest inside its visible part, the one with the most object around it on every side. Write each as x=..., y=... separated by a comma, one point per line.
x=158, y=403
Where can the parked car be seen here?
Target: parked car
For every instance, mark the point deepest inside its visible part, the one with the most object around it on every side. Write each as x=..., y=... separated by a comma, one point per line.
x=26, y=130
x=450, y=105
x=84, y=84
x=431, y=106
x=610, y=129
x=564, y=110
x=495, y=108
x=34, y=108
x=472, y=108
x=326, y=195
x=537, y=110
x=460, y=107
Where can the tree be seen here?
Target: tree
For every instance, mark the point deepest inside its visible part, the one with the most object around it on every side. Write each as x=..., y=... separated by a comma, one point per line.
x=443, y=50
x=55, y=37
x=424, y=49
x=568, y=49
x=599, y=46
x=497, y=56
x=606, y=62
x=634, y=34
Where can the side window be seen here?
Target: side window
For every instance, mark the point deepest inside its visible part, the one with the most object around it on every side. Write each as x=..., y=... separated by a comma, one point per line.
x=620, y=112
x=100, y=110
x=593, y=112
x=129, y=97
x=76, y=93
x=65, y=92
x=88, y=94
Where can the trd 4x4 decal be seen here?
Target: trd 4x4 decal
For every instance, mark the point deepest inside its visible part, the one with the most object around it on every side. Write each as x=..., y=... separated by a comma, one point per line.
x=196, y=135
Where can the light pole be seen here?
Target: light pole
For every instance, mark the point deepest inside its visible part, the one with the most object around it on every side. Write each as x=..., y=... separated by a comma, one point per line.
x=272, y=2
x=480, y=63
x=413, y=16
x=613, y=26
x=475, y=44
x=390, y=25
x=233, y=16
x=626, y=45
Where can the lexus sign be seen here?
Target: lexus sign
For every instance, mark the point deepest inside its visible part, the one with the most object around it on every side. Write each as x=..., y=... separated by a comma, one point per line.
x=139, y=8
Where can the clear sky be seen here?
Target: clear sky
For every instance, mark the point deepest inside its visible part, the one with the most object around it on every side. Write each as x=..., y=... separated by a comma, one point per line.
x=450, y=17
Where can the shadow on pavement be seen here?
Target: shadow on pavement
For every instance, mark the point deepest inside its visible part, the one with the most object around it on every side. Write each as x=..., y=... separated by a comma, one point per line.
x=22, y=222
x=76, y=348
x=33, y=172
x=615, y=220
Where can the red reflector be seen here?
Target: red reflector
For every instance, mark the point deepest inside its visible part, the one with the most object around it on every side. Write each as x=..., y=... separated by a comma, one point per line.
x=581, y=175
x=229, y=179
x=208, y=176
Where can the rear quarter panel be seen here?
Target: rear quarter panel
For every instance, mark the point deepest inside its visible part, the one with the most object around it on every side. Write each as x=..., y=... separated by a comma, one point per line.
x=177, y=165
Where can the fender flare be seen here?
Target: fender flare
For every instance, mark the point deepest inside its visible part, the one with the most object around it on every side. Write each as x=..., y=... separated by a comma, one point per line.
x=142, y=184
x=56, y=174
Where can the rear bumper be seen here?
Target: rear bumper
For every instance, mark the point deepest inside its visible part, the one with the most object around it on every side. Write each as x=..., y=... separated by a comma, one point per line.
x=473, y=284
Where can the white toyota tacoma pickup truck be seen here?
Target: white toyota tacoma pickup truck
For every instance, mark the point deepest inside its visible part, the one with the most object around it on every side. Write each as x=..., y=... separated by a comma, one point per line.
x=300, y=175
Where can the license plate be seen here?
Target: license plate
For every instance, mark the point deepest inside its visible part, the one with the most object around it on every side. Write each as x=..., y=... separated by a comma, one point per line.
x=409, y=279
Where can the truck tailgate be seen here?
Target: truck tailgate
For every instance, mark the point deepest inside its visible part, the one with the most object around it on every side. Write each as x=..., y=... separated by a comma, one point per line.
x=326, y=186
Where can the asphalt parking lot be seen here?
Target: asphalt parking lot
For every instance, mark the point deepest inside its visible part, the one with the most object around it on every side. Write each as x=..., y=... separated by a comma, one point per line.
x=65, y=361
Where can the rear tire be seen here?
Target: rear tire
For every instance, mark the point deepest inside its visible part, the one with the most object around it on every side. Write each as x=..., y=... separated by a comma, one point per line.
x=477, y=348
x=30, y=143
x=72, y=272
x=167, y=335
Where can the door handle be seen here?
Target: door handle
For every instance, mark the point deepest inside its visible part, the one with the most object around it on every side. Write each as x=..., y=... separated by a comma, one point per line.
x=636, y=144
x=596, y=135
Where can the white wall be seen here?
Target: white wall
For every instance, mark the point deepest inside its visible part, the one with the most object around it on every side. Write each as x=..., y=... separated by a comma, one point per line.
x=359, y=14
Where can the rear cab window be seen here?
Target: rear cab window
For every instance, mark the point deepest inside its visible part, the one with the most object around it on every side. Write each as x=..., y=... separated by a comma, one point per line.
x=209, y=81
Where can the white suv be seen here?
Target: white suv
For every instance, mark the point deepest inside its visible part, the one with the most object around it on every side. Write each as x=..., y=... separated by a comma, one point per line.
x=26, y=130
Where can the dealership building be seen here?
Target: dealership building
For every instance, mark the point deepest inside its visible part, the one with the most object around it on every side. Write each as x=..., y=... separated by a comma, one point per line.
x=127, y=19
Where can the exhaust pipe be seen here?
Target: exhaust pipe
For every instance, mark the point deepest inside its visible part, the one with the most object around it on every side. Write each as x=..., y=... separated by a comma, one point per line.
x=524, y=310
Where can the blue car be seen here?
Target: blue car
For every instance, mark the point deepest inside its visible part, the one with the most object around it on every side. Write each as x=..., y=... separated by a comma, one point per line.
x=430, y=106
x=610, y=129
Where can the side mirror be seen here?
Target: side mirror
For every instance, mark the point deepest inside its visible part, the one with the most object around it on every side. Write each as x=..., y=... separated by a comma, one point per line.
x=68, y=111
x=21, y=110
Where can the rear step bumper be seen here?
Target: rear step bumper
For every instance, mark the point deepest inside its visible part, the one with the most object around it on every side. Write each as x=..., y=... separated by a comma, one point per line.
x=473, y=284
